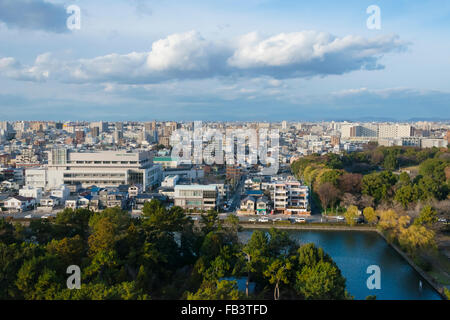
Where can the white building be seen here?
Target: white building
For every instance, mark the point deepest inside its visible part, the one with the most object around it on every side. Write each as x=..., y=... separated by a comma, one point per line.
x=31, y=192
x=36, y=178
x=19, y=203
x=290, y=197
x=394, y=130
x=170, y=181
x=200, y=197
x=102, y=168
x=62, y=192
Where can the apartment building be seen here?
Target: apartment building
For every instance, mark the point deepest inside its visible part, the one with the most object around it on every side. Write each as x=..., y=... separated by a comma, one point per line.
x=102, y=168
x=290, y=197
x=395, y=130
x=36, y=178
x=199, y=197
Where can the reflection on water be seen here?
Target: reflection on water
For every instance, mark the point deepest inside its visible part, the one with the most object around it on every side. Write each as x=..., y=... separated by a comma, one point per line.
x=354, y=251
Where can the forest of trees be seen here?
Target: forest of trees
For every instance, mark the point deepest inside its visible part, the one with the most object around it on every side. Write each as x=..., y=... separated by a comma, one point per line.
x=162, y=255
x=405, y=206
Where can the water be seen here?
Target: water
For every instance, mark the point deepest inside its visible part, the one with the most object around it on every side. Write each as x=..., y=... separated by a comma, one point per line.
x=354, y=251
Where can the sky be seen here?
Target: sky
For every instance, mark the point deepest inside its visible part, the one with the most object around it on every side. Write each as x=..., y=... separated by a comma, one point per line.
x=253, y=60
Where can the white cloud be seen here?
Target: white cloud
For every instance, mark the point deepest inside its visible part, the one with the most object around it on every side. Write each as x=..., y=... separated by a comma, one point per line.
x=188, y=55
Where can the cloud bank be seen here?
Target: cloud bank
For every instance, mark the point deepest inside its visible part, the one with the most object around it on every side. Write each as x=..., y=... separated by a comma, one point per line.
x=186, y=56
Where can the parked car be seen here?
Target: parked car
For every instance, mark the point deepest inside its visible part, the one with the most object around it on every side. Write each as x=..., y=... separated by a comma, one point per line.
x=300, y=220
x=443, y=220
x=28, y=216
x=340, y=218
x=45, y=216
x=277, y=219
x=194, y=218
x=263, y=220
x=252, y=220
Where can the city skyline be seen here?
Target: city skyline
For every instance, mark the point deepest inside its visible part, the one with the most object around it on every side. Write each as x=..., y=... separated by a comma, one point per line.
x=269, y=60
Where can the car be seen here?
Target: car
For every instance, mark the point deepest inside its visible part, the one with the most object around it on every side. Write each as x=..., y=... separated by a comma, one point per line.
x=340, y=218
x=263, y=220
x=28, y=216
x=277, y=219
x=45, y=216
x=252, y=220
x=300, y=220
x=194, y=218
x=443, y=220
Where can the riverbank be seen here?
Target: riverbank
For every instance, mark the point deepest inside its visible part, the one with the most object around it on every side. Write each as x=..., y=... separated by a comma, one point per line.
x=437, y=287
x=306, y=226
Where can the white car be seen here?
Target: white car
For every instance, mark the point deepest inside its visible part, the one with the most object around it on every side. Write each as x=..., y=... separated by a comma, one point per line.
x=300, y=220
x=194, y=218
x=340, y=218
x=263, y=220
x=45, y=216
x=252, y=220
x=28, y=216
x=277, y=219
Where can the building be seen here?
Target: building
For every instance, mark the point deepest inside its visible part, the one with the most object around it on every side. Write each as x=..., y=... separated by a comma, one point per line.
x=395, y=130
x=233, y=173
x=31, y=192
x=196, y=197
x=248, y=204
x=19, y=203
x=102, y=168
x=166, y=162
x=36, y=178
x=61, y=192
x=170, y=181
x=290, y=197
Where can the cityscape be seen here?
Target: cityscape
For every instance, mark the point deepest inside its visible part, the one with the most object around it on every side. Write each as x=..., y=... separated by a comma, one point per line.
x=324, y=175
x=212, y=158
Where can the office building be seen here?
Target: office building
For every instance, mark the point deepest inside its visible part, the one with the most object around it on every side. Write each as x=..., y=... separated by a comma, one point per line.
x=102, y=168
x=196, y=197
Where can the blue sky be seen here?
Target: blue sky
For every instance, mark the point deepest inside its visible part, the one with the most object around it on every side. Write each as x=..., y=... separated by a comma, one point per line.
x=224, y=60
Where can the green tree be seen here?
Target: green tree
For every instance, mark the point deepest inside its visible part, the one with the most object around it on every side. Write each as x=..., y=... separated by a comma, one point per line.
x=216, y=290
x=277, y=272
x=351, y=215
x=370, y=215
x=427, y=216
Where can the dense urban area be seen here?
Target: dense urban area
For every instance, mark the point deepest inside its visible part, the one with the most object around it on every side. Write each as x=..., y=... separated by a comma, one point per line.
x=141, y=223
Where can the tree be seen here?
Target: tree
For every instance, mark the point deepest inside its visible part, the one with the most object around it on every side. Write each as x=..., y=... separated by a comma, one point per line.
x=277, y=272
x=103, y=237
x=350, y=183
x=427, y=216
x=370, y=215
x=390, y=162
x=416, y=238
x=351, y=215
x=348, y=199
x=406, y=194
x=378, y=185
x=69, y=250
x=317, y=275
x=216, y=290
x=328, y=195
